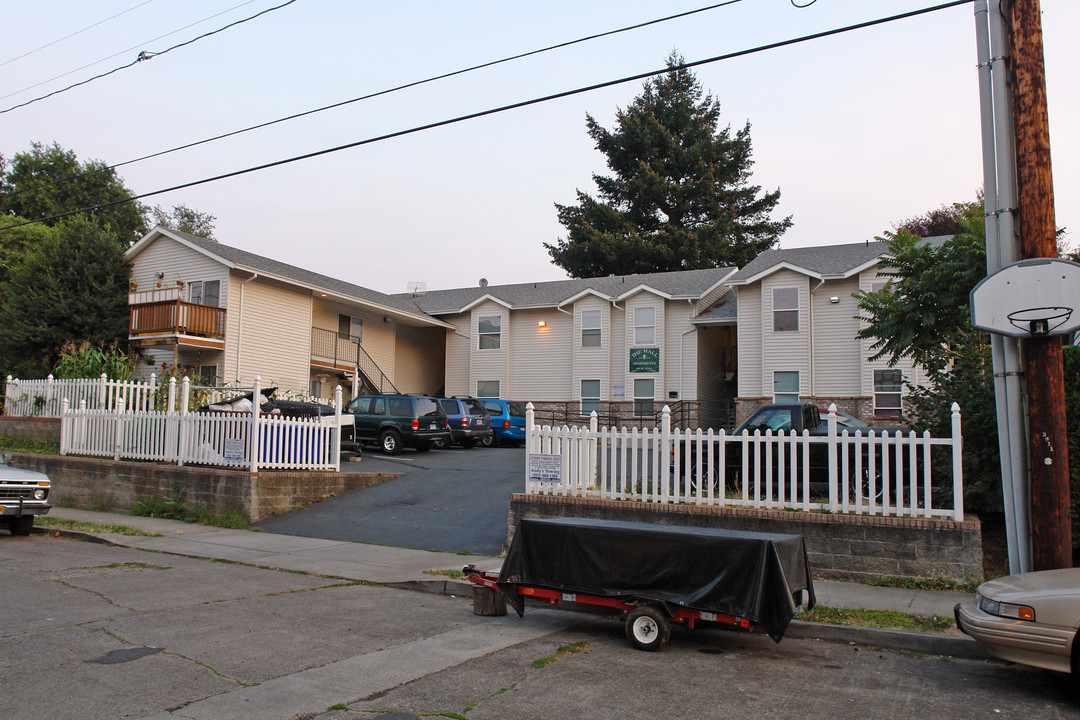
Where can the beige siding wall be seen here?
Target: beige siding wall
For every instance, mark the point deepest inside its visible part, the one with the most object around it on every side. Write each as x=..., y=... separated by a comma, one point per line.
x=750, y=330
x=619, y=357
x=493, y=364
x=590, y=363
x=458, y=355
x=785, y=351
x=419, y=359
x=680, y=370
x=542, y=357
x=171, y=258
x=275, y=337
x=837, y=352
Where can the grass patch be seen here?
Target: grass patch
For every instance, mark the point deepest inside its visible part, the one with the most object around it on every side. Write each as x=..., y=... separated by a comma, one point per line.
x=49, y=522
x=561, y=651
x=38, y=447
x=923, y=583
x=876, y=619
x=452, y=574
x=176, y=508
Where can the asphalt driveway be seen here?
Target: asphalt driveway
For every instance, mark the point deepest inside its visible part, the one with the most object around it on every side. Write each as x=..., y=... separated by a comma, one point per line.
x=452, y=500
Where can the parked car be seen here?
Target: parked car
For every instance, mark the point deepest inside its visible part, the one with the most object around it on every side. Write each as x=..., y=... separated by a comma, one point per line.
x=469, y=422
x=845, y=421
x=397, y=421
x=507, y=421
x=24, y=494
x=1032, y=618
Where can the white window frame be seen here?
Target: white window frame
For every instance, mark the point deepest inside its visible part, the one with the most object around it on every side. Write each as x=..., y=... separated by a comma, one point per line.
x=592, y=328
x=878, y=285
x=480, y=388
x=197, y=292
x=785, y=395
x=640, y=327
x=590, y=402
x=787, y=311
x=888, y=410
x=494, y=339
x=644, y=402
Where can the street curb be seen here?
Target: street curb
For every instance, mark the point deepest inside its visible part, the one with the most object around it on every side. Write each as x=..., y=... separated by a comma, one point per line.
x=919, y=642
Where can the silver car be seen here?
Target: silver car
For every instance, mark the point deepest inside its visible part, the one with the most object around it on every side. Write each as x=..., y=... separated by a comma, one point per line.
x=1032, y=618
x=23, y=494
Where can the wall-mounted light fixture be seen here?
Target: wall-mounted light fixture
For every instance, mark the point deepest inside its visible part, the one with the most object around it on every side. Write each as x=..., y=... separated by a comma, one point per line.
x=834, y=300
x=542, y=324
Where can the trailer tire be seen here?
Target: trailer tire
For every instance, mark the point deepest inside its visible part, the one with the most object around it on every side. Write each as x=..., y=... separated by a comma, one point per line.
x=647, y=628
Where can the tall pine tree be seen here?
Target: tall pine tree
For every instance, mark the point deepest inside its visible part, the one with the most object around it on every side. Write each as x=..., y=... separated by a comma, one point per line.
x=679, y=198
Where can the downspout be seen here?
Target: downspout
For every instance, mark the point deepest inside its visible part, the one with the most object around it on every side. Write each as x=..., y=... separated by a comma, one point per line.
x=681, y=337
x=810, y=335
x=240, y=323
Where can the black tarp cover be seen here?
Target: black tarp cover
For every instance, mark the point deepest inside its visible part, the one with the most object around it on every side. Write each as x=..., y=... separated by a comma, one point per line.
x=746, y=574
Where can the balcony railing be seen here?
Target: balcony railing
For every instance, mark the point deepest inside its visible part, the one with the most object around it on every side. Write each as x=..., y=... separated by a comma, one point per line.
x=177, y=317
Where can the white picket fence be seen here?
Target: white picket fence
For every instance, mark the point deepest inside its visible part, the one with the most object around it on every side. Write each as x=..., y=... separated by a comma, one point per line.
x=249, y=440
x=44, y=398
x=887, y=473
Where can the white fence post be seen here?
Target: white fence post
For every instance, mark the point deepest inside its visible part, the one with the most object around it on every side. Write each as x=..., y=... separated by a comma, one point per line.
x=118, y=431
x=663, y=477
x=170, y=406
x=185, y=395
x=957, y=465
x=254, y=442
x=337, y=428
x=65, y=427
x=833, y=449
x=102, y=385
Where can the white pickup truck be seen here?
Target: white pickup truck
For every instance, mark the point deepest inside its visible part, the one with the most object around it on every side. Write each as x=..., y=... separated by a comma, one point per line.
x=23, y=494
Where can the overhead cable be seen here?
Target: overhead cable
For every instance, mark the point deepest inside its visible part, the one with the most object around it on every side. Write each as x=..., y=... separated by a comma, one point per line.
x=369, y=96
x=504, y=108
x=146, y=55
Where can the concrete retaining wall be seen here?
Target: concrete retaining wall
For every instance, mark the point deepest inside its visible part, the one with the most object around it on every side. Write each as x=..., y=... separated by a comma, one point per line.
x=849, y=547
x=31, y=428
x=82, y=482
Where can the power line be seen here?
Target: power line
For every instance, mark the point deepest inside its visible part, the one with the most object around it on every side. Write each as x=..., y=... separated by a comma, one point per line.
x=146, y=55
x=77, y=32
x=512, y=106
x=384, y=92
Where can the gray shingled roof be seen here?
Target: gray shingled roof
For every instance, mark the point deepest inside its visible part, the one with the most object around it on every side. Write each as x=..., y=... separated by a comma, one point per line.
x=681, y=284
x=306, y=277
x=823, y=260
x=724, y=310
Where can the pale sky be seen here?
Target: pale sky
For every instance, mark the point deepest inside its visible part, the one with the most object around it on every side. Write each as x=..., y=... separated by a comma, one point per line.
x=858, y=131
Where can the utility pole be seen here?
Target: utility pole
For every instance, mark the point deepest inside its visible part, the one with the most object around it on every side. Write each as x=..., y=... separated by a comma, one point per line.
x=1047, y=440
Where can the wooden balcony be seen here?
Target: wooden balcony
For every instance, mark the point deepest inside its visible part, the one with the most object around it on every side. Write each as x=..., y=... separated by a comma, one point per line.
x=176, y=322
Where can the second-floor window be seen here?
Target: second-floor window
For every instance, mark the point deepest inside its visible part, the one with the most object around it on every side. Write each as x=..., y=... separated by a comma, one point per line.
x=785, y=309
x=350, y=328
x=590, y=328
x=205, y=292
x=644, y=326
x=489, y=328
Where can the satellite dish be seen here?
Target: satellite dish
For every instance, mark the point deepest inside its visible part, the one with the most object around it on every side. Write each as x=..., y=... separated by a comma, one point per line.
x=416, y=288
x=483, y=282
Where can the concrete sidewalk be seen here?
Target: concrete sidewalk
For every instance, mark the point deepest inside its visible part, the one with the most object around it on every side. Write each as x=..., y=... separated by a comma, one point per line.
x=404, y=567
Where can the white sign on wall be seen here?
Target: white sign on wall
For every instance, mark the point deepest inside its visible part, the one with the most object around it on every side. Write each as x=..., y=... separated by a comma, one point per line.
x=618, y=391
x=234, y=450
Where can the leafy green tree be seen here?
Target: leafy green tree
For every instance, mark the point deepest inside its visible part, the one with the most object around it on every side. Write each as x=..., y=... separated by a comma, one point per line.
x=69, y=287
x=185, y=219
x=49, y=180
x=680, y=196
x=1071, y=363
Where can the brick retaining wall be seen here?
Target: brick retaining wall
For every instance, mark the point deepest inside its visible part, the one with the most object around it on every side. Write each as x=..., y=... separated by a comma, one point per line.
x=31, y=428
x=850, y=547
x=81, y=482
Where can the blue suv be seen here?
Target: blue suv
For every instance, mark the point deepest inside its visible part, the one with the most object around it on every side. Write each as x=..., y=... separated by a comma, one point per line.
x=507, y=421
x=467, y=420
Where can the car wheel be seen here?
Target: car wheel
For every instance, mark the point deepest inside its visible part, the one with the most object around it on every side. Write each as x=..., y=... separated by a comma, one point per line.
x=439, y=443
x=423, y=446
x=22, y=525
x=390, y=442
x=647, y=629
x=488, y=440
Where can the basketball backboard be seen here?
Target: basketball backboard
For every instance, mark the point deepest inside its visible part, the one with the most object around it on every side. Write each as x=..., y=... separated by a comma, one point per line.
x=1029, y=298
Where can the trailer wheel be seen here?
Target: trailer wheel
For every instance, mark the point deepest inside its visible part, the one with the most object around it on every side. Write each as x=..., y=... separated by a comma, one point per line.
x=647, y=629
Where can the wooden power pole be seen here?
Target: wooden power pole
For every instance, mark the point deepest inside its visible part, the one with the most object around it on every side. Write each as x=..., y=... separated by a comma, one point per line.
x=1048, y=453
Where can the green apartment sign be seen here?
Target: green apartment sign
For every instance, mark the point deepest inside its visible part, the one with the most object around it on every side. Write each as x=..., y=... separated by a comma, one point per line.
x=645, y=360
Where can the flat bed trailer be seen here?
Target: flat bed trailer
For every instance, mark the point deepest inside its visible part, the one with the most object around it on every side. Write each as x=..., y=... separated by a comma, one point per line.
x=656, y=574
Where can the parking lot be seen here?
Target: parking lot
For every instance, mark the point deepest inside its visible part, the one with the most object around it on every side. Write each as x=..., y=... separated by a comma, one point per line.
x=453, y=500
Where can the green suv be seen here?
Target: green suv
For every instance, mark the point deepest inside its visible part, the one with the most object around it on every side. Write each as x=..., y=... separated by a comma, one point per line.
x=397, y=421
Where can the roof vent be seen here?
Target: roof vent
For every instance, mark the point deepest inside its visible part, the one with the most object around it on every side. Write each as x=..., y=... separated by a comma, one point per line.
x=483, y=282
x=416, y=288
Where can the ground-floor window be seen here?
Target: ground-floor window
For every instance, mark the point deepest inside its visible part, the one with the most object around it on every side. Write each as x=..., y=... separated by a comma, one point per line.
x=590, y=397
x=888, y=393
x=644, y=394
x=487, y=388
x=786, y=387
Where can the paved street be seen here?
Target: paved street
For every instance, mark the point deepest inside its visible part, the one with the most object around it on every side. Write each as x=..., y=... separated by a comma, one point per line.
x=91, y=630
x=451, y=500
